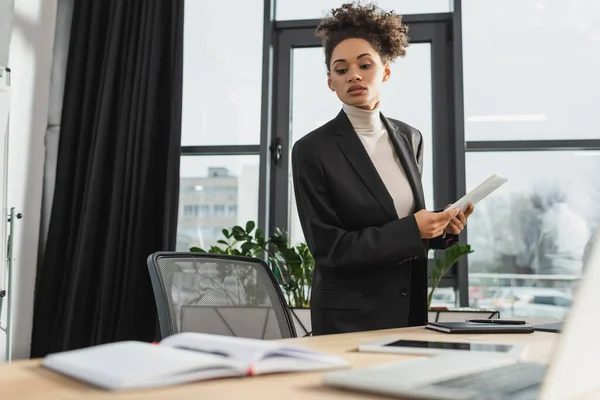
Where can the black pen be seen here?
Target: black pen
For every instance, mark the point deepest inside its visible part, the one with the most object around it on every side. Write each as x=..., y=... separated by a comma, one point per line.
x=498, y=321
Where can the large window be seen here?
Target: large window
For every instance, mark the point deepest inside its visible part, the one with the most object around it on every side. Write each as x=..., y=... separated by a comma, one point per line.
x=529, y=95
x=531, y=69
x=313, y=104
x=216, y=192
x=235, y=84
x=222, y=72
x=540, y=222
x=530, y=98
x=221, y=120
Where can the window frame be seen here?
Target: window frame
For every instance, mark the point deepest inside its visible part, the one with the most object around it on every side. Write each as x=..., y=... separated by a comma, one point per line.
x=437, y=29
x=498, y=145
x=448, y=188
x=455, y=183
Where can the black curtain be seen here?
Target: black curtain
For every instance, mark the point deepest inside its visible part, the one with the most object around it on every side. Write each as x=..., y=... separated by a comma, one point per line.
x=117, y=177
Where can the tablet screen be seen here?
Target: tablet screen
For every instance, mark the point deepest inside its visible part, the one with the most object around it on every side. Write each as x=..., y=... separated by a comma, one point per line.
x=488, y=347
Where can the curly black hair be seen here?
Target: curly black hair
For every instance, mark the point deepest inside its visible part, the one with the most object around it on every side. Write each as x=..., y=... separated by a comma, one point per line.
x=384, y=30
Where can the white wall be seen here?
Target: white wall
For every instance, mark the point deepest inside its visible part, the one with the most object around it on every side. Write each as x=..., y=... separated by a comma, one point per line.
x=30, y=58
x=6, y=14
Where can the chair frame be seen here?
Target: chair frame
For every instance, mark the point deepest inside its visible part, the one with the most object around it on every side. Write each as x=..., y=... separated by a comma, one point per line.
x=160, y=292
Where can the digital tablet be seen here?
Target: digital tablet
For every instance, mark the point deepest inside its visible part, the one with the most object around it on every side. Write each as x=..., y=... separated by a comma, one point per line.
x=484, y=189
x=428, y=347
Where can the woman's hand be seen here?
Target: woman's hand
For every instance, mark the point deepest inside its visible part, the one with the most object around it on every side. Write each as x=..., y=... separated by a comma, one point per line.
x=432, y=224
x=458, y=223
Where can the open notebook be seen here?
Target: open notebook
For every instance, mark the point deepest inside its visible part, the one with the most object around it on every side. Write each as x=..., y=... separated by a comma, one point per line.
x=185, y=357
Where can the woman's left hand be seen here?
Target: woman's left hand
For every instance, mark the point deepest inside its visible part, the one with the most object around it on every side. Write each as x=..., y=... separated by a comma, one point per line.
x=458, y=223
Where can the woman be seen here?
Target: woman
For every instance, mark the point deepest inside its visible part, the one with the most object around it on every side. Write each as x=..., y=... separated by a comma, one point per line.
x=357, y=181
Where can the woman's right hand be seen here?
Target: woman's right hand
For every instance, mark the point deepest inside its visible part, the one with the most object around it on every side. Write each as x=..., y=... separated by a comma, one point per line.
x=432, y=224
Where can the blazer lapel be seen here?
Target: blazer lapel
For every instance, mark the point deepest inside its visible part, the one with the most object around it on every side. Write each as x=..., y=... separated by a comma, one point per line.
x=407, y=157
x=358, y=157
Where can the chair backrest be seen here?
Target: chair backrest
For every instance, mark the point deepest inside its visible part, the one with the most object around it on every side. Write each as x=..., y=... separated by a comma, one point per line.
x=218, y=294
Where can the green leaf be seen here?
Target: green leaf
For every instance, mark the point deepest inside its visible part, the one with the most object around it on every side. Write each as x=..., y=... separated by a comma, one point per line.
x=197, y=250
x=216, y=250
x=279, y=240
x=439, y=264
x=442, y=266
x=247, y=248
x=292, y=266
x=238, y=233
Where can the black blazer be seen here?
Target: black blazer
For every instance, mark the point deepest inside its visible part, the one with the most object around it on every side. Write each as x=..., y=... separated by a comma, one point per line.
x=370, y=266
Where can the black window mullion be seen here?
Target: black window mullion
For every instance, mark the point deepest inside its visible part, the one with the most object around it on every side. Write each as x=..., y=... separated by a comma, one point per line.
x=251, y=149
x=267, y=101
x=533, y=145
x=456, y=77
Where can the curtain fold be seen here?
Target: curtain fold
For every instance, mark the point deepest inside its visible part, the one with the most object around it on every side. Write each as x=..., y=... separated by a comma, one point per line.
x=117, y=175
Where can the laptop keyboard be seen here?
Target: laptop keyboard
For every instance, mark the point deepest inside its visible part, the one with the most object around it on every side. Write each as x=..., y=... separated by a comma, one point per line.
x=501, y=382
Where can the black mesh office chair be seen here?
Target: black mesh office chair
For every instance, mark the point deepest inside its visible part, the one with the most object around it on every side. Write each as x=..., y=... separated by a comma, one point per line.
x=218, y=294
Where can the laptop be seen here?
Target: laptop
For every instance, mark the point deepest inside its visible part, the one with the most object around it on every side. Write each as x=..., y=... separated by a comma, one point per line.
x=571, y=372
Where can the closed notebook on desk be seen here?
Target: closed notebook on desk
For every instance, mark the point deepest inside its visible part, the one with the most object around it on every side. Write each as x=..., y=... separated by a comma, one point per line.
x=474, y=327
x=185, y=357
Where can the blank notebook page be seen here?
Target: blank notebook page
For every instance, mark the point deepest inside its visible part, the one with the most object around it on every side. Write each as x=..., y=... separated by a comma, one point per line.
x=129, y=364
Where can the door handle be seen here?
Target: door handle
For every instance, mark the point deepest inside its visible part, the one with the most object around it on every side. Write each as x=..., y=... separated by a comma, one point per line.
x=276, y=151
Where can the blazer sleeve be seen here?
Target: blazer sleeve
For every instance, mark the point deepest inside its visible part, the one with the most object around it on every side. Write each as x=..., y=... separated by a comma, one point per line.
x=330, y=243
x=440, y=242
x=443, y=242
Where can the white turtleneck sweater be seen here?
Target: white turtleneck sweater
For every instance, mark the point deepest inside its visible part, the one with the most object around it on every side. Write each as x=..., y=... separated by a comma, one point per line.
x=377, y=142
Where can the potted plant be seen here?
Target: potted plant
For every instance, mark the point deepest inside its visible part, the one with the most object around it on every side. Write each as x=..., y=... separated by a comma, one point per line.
x=291, y=265
x=442, y=266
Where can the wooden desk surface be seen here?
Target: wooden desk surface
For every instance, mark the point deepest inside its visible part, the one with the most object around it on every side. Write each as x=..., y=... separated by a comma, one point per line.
x=27, y=380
